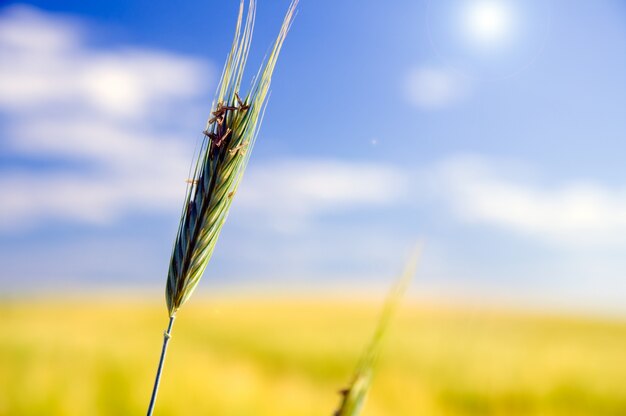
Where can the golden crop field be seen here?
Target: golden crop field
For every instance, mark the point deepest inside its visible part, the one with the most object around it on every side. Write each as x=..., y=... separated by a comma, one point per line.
x=255, y=356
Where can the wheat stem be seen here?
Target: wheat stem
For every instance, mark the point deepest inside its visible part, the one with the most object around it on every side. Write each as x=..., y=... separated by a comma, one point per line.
x=166, y=339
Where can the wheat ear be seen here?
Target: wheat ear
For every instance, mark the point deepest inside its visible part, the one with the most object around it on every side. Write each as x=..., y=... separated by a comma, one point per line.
x=228, y=138
x=353, y=397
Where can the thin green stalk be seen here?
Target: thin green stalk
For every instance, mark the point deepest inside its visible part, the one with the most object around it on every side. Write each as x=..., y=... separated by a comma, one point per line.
x=166, y=339
x=353, y=397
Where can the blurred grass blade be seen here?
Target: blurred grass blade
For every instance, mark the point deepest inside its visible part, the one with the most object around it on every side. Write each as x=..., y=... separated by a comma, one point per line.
x=353, y=397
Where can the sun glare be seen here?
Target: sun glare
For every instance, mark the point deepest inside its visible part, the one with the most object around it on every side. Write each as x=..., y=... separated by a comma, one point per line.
x=488, y=22
x=488, y=39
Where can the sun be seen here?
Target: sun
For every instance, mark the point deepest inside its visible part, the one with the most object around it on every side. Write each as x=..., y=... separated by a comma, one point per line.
x=488, y=39
x=488, y=22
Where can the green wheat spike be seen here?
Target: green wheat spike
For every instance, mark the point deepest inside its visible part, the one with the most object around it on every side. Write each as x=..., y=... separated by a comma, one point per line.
x=229, y=136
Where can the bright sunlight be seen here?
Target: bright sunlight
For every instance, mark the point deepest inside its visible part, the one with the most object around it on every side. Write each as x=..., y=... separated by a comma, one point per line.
x=488, y=22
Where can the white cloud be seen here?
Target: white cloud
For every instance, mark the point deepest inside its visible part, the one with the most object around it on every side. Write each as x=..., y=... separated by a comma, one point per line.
x=94, y=118
x=577, y=212
x=25, y=30
x=432, y=88
x=126, y=171
x=46, y=62
x=289, y=193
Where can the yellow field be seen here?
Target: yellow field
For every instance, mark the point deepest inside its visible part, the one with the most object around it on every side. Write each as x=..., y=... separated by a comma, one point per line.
x=246, y=357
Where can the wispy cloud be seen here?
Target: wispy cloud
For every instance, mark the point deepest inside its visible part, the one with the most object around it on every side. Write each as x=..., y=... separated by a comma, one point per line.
x=431, y=88
x=481, y=191
x=289, y=193
x=47, y=61
x=101, y=123
x=508, y=195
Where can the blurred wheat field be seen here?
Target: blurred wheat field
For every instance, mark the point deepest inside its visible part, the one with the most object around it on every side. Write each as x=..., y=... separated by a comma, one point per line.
x=255, y=356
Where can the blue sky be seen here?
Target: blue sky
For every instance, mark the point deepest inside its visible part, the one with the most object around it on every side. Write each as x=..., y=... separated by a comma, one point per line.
x=493, y=130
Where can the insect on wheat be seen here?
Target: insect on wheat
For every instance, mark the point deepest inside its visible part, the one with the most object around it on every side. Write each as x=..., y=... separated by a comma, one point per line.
x=229, y=136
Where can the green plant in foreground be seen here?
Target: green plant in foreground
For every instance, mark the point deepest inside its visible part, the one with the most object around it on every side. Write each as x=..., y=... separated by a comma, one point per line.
x=353, y=397
x=228, y=139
